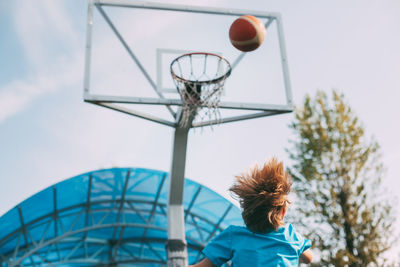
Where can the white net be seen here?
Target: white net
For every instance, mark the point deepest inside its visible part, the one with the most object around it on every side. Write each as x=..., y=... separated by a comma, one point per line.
x=199, y=79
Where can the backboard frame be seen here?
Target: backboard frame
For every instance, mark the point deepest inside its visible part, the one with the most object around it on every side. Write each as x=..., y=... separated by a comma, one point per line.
x=113, y=102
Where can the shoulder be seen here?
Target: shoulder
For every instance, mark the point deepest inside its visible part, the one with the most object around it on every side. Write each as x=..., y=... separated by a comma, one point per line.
x=289, y=231
x=234, y=232
x=289, y=228
x=226, y=233
x=291, y=235
x=237, y=229
x=295, y=238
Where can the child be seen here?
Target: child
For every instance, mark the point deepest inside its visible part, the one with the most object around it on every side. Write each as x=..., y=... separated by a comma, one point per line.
x=266, y=240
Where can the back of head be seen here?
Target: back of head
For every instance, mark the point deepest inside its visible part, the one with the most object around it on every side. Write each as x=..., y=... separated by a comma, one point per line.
x=263, y=196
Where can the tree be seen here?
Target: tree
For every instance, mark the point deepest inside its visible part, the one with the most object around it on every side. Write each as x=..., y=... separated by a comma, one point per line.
x=337, y=176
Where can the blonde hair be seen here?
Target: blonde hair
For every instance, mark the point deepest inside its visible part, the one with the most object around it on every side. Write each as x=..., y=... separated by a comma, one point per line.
x=263, y=195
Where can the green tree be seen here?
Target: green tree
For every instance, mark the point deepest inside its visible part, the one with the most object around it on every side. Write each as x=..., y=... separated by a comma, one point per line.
x=337, y=174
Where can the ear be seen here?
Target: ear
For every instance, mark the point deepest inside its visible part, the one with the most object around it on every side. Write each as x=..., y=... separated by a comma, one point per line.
x=284, y=211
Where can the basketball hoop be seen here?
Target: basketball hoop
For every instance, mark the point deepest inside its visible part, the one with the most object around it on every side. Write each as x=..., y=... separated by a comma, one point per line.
x=199, y=78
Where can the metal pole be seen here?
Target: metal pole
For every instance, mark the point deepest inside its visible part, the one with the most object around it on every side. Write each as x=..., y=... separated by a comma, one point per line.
x=88, y=49
x=176, y=245
x=285, y=67
x=186, y=8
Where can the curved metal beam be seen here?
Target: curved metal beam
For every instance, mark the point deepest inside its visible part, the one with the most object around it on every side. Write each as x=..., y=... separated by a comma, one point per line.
x=51, y=215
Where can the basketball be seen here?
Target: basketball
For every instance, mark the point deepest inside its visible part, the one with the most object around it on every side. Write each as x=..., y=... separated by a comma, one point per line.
x=247, y=33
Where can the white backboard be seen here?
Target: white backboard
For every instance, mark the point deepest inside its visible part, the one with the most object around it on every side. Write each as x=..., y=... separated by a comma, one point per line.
x=130, y=46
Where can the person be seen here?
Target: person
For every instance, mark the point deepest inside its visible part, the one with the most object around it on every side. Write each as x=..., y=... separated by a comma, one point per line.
x=265, y=240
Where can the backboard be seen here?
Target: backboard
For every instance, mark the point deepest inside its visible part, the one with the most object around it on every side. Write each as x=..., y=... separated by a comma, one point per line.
x=131, y=44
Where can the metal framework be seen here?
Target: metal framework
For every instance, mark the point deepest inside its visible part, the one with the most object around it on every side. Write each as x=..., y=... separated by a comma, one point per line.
x=120, y=219
x=113, y=102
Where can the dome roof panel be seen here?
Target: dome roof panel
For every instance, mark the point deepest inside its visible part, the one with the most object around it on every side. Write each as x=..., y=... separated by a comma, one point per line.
x=109, y=216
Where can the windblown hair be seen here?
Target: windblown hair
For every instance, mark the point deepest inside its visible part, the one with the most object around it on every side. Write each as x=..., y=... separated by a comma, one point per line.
x=263, y=196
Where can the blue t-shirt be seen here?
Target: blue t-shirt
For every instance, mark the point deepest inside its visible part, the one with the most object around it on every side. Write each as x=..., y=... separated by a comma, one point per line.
x=247, y=249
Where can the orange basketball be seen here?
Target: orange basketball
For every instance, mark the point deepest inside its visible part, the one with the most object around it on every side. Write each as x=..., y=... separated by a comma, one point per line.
x=247, y=33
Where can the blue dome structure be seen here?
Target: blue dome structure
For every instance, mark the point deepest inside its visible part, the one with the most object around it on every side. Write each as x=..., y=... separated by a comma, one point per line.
x=111, y=217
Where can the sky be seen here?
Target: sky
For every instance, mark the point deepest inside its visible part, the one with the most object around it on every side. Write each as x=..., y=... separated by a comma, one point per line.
x=48, y=134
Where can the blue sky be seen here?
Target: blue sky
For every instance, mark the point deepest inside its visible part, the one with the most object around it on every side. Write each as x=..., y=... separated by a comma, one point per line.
x=47, y=133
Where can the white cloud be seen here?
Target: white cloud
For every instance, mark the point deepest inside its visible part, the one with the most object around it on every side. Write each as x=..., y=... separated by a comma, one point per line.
x=15, y=96
x=19, y=94
x=41, y=28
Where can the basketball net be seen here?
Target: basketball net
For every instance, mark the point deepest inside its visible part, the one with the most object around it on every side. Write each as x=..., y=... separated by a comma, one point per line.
x=199, y=79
